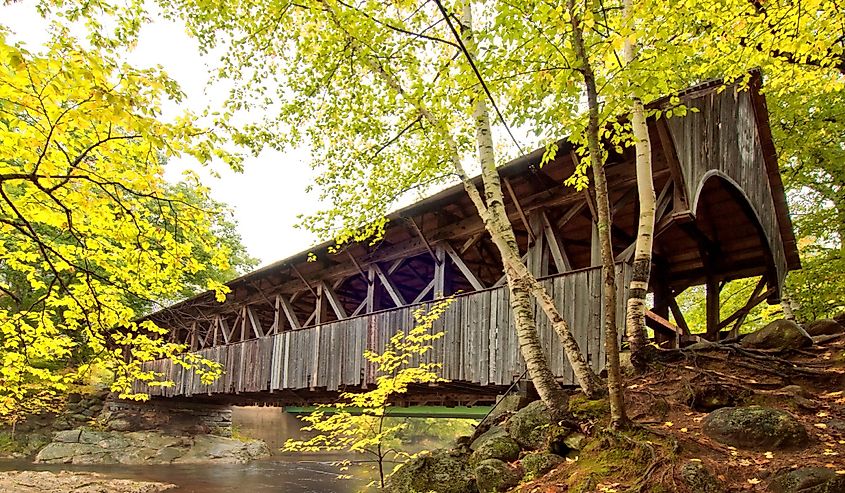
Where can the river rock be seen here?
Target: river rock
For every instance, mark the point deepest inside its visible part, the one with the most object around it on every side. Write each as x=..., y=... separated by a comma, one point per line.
x=808, y=480
x=780, y=334
x=77, y=482
x=824, y=327
x=699, y=479
x=535, y=464
x=530, y=425
x=754, y=428
x=494, y=444
x=85, y=446
x=440, y=470
x=494, y=475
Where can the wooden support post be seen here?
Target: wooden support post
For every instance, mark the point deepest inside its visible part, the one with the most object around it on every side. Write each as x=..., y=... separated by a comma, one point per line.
x=536, y=250
x=439, y=272
x=712, y=308
x=662, y=294
x=372, y=292
x=194, y=341
x=216, y=329
x=243, y=323
x=422, y=237
x=318, y=308
x=277, y=315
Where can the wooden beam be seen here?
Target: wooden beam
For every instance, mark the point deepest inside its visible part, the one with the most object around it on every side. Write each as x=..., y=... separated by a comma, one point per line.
x=299, y=275
x=334, y=301
x=757, y=297
x=391, y=289
x=678, y=314
x=216, y=329
x=657, y=319
x=440, y=272
x=555, y=248
x=712, y=305
x=459, y=263
x=289, y=312
x=371, y=290
x=424, y=292
x=225, y=330
x=679, y=199
x=531, y=236
x=569, y=214
x=358, y=266
x=277, y=319
x=422, y=238
x=536, y=250
x=243, y=323
x=254, y=322
x=361, y=307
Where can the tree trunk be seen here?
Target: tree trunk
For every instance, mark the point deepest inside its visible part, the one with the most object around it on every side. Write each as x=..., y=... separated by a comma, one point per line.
x=520, y=281
x=618, y=415
x=635, y=317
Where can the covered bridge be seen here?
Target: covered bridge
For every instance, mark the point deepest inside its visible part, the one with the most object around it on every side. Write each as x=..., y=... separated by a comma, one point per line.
x=294, y=331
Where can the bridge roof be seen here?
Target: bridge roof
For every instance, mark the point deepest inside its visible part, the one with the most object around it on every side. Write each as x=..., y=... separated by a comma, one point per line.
x=448, y=215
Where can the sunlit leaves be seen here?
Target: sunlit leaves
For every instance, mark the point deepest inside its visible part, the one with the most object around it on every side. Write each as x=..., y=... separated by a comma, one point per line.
x=90, y=233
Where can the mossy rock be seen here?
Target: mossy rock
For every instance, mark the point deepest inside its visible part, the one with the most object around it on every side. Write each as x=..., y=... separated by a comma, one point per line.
x=780, y=334
x=755, y=428
x=824, y=327
x=808, y=480
x=586, y=409
x=494, y=444
x=699, y=479
x=494, y=475
x=529, y=426
x=440, y=471
x=535, y=464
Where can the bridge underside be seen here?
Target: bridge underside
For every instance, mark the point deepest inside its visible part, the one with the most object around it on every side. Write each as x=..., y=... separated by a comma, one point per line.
x=294, y=332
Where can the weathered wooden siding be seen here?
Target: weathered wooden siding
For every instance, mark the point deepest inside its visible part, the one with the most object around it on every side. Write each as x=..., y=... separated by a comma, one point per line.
x=723, y=136
x=479, y=345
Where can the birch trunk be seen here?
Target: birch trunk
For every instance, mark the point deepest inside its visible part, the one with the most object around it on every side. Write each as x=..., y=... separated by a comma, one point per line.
x=618, y=415
x=635, y=316
x=520, y=281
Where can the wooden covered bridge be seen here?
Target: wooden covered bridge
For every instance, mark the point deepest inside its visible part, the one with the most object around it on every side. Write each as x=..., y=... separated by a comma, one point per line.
x=294, y=332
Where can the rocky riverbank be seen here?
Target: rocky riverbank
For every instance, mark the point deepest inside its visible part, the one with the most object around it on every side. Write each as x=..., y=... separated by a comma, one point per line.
x=89, y=446
x=762, y=413
x=63, y=482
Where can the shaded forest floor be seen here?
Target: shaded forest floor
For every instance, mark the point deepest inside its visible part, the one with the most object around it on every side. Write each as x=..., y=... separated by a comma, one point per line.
x=670, y=401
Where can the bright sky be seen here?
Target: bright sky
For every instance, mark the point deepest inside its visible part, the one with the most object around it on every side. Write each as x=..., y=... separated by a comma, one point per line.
x=267, y=196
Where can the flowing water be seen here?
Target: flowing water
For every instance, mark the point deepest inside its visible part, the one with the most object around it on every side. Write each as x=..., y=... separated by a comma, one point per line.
x=282, y=472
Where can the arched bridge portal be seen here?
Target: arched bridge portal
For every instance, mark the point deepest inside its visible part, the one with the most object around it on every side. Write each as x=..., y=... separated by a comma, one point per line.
x=293, y=333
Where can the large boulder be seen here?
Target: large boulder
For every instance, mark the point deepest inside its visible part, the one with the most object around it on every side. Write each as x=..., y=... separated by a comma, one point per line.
x=535, y=464
x=824, y=327
x=440, y=470
x=754, y=427
x=494, y=475
x=86, y=446
x=808, y=480
x=530, y=425
x=494, y=444
x=699, y=479
x=780, y=334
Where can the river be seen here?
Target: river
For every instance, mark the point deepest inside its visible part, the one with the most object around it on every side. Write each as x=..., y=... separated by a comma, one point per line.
x=282, y=472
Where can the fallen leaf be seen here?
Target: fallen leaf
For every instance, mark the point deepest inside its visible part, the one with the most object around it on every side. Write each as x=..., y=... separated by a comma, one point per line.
x=754, y=481
x=769, y=455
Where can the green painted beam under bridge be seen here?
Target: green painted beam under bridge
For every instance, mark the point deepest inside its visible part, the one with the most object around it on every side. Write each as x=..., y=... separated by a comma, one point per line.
x=467, y=412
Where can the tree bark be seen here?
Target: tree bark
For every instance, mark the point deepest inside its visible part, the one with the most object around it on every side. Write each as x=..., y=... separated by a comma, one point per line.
x=635, y=316
x=618, y=415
